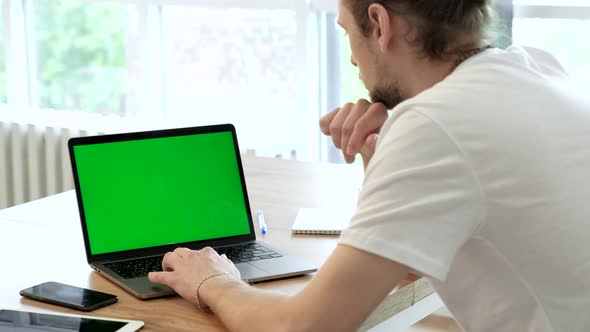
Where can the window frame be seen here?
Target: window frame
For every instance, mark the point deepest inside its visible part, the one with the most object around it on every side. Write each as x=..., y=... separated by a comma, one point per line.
x=545, y=9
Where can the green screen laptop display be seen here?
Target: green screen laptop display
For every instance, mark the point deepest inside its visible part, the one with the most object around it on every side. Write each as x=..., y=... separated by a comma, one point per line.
x=158, y=191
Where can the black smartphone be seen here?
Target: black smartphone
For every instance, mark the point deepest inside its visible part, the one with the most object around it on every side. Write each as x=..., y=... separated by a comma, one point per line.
x=69, y=296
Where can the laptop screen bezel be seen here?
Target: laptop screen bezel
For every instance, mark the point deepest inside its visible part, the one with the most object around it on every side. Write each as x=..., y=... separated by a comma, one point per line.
x=157, y=250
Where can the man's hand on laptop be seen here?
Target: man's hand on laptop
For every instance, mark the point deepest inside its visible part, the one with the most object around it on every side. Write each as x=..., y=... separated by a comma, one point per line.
x=184, y=270
x=354, y=128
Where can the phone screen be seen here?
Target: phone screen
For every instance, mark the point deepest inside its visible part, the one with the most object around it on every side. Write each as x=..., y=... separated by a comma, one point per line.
x=70, y=296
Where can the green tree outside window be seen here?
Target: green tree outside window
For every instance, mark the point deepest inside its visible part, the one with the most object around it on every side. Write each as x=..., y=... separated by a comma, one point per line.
x=81, y=53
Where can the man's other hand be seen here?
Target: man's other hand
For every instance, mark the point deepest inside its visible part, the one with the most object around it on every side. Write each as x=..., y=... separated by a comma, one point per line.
x=354, y=128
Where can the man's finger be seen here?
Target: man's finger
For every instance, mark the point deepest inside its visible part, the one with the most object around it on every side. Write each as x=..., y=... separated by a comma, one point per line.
x=371, y=122
x=326, y=120
x=358, y=110
x=170, y=260
x=182, y=251
x=336, y=124
x=208, y=251
x=159, y=277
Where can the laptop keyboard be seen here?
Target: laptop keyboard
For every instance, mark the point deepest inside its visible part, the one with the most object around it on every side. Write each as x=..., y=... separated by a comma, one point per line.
x=136, y=268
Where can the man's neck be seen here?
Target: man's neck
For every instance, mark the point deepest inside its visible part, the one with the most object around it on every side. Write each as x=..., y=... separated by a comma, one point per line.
x=423, y=74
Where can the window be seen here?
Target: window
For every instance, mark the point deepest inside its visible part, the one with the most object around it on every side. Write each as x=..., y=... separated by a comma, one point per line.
x=236, y=66
x=560, y=28
x=2, y=61
x=566, y=39
x=83, y=55
x=165, y=63
x=351, y=85
x=270, y=67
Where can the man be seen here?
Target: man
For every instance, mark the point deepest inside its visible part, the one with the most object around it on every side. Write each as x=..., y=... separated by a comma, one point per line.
x=479, y=181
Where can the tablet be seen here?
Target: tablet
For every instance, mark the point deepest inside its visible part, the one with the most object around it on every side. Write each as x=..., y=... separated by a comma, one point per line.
x=27, y=321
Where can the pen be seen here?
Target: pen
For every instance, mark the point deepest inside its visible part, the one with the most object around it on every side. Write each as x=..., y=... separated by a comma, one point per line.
x=262, y=223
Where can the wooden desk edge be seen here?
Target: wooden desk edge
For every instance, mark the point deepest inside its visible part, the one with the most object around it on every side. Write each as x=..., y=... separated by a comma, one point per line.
x=398, y=301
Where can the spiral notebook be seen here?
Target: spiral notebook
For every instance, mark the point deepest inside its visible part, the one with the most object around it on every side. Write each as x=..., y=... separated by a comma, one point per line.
x=324, y=221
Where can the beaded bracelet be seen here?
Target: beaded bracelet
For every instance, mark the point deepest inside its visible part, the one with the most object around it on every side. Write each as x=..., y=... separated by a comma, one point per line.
x=205, y=308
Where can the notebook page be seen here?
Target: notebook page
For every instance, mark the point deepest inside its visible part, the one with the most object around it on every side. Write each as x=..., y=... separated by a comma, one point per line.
x=329, y=221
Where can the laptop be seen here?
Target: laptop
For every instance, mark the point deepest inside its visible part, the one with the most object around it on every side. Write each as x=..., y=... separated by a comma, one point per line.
x=143, y=194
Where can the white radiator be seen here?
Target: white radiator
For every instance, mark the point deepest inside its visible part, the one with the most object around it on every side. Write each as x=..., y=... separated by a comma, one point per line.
x=34, y=162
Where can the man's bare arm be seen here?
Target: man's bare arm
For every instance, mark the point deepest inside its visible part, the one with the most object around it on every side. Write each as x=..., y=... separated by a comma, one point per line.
x=340, y=297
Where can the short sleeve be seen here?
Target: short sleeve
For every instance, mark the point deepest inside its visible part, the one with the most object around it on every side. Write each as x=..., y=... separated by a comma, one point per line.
x=420, y=201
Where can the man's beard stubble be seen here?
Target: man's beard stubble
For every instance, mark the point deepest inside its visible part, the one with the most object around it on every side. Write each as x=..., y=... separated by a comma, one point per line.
x=388, y=96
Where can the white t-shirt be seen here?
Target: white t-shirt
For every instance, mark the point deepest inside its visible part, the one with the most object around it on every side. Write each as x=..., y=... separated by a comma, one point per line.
x=482, y=183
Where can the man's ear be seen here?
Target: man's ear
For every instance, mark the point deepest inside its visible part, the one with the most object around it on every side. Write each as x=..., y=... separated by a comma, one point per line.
x=381, y=21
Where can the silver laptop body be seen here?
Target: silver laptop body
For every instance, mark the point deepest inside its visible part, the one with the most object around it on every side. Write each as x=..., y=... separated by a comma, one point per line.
x=143, y=194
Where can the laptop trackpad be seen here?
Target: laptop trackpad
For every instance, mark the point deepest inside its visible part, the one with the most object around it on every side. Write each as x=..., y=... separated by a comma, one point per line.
x=249, y=271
